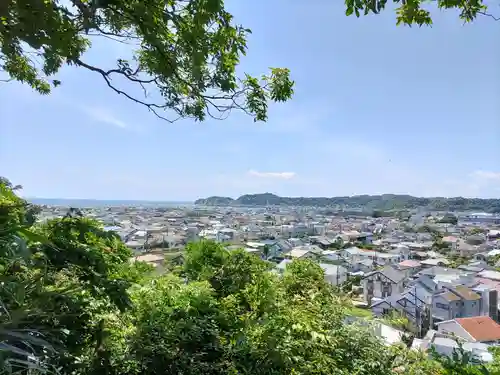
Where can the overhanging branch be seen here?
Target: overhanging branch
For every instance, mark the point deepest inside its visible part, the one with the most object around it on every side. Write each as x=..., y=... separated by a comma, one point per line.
x=152, y=107
x=224, y=109
x=489, y=15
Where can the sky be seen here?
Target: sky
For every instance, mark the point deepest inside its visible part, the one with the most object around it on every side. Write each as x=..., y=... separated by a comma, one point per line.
x=377, y=109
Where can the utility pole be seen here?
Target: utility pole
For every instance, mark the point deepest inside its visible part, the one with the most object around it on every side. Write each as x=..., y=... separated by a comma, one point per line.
x=146, y=242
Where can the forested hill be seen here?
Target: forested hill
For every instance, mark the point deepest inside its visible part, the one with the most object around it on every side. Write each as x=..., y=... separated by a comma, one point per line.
x=370, y=202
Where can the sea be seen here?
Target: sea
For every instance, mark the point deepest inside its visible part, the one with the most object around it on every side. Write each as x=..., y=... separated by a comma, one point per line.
x=95, y=203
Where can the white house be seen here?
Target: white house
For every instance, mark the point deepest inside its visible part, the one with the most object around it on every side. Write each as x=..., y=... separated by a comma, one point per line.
x=301, y=254
x=481, y=329
x=447, y=344
x=334, y=274
x=383, y=283
x=331, y=256
x=354, y=255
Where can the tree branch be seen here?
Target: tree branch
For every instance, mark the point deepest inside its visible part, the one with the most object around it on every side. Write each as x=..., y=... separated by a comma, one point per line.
x=489, y=15
x=113, y=38
x=210, y=100
x=152, y=107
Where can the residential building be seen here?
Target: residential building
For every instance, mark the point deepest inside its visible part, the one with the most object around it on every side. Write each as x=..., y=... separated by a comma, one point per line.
x=382, y=283
x=446, y=344
x=334, y=274
x=409, y=267
x=481, y=329
x=455, y=302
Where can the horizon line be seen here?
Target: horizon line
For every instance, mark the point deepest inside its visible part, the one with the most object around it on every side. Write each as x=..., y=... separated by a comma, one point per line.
x=280, y=196
x=107, y=200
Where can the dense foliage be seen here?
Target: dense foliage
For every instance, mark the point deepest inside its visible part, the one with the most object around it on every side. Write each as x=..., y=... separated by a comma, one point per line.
x=60, y=279
x=72, y=303
x=385, y=202
x=184, y=52
x=227, y=313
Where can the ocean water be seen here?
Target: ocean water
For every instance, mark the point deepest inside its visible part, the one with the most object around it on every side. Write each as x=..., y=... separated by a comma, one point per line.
x=89, y=203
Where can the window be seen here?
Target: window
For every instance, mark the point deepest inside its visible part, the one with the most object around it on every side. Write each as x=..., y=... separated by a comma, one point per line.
x=442, y=306
x=386, y=289
x=385, y=311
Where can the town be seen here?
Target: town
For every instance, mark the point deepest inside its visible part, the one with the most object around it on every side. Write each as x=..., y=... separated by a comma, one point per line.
x=439, y=270
x=350, y=150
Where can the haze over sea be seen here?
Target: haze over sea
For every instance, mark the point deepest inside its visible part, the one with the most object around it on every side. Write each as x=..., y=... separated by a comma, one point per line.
x=90, y=203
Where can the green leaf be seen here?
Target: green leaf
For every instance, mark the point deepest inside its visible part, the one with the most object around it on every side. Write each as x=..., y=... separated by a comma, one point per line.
x=34, y=237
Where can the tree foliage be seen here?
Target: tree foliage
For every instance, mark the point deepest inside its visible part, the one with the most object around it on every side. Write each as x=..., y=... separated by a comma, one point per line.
x=59, y=280
x=411, y=12
x=448, y=219
x=231, y=315
x=186, y=51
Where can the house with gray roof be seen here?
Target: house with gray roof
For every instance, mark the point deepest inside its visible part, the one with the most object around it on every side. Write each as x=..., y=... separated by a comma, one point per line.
x=382, y=283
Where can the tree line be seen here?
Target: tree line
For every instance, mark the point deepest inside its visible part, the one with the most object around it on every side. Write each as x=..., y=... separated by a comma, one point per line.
x=378, y=205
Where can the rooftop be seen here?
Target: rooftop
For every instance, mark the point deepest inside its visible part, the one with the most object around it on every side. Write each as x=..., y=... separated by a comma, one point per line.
x=481, y=328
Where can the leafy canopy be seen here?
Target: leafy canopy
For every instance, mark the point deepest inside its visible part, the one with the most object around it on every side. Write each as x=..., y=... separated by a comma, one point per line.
x=410, y=12
x=187, y=50
x=60, y=281
x=227, y=313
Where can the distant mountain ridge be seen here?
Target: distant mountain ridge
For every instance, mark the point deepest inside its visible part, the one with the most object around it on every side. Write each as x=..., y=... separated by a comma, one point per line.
x=369, y=202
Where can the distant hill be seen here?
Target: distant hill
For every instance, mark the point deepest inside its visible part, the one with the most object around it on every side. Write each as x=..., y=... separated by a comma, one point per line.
x=368, y=202
x=216, y=201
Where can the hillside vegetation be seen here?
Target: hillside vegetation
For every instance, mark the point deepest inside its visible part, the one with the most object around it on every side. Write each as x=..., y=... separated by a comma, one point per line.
x=368, y=202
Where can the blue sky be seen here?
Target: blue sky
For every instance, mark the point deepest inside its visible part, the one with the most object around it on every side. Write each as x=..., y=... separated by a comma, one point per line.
x=377, y=109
